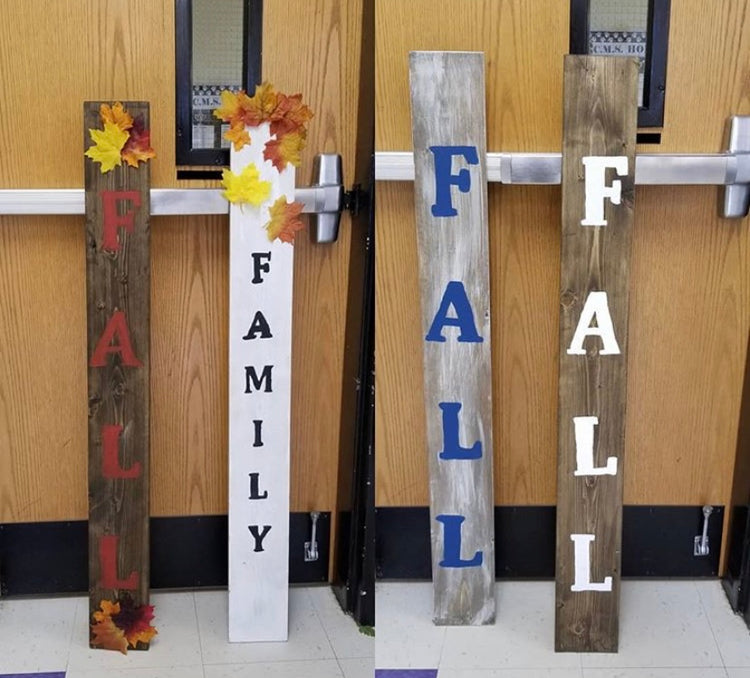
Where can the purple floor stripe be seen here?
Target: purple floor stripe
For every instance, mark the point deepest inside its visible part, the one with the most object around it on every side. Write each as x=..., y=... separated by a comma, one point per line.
x=403, y=673
x=54, y=674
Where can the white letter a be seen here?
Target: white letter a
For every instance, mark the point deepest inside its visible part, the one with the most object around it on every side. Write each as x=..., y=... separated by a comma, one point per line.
x=595, y=307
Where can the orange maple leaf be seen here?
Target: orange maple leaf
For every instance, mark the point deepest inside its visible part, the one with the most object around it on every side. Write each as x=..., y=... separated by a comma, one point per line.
x=285, y=150
x=117, y=115
x=259, y=107
x=106, y=633
x=290, y=115
x=138, y=146
x=238, y=135
x=285, y=221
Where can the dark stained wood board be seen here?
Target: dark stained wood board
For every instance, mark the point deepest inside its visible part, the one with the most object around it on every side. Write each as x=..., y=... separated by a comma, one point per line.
x=118, y=305
x=599, y=119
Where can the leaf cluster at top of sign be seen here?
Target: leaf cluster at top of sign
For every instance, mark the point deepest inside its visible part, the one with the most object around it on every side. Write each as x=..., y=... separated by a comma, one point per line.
x=123, y=138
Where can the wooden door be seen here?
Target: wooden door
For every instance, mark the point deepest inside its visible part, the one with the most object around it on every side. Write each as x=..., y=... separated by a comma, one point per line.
x=690, y=277
x=55, y=56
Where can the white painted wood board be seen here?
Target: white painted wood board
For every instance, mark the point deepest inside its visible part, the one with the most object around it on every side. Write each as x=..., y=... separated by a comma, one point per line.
x=259, y=579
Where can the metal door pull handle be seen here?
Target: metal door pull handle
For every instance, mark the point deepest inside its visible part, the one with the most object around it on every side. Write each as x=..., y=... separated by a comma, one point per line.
x=311, y=547
x=700, y=545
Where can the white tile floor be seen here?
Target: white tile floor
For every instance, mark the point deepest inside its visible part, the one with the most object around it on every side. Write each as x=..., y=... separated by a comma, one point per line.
x=668, y=629
x=47, y=635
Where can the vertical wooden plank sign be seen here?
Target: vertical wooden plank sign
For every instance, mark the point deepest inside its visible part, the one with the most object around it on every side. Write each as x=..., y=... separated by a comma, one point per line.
x=599, y=128
x=118, y=300
x=260, y=347
x=448, y=125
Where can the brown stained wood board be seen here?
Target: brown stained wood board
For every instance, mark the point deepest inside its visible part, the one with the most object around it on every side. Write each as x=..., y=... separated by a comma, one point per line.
x=118, y=297
x=449, y=134
x=599, y=121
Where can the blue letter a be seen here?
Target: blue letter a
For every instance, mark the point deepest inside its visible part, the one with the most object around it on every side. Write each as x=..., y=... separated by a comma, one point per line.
x=451, y=447
x=452, y=544
x=454, y=295
x=443, y=206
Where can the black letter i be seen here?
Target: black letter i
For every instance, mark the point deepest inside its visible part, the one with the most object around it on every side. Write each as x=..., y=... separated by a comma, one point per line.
x=257, y=423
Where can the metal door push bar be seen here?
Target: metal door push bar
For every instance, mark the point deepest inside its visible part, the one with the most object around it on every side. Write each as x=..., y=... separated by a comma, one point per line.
x=730, y=169
x=324, y=200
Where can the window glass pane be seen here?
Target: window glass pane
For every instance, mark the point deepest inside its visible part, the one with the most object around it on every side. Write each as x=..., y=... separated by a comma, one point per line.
x=620, y=28
x=217, y=65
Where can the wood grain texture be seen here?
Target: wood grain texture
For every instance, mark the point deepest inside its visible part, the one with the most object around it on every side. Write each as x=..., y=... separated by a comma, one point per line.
x=690, y=291
x=599, y=119
x=447, y=101
x=523, y=72
x=524, y=88
x=118, y=276
x=117, y=44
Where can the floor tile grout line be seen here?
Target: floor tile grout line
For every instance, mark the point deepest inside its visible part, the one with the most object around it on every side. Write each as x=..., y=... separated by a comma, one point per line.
x=72, y=635
x=198, y=631
x=710, y=626
x=323, y=626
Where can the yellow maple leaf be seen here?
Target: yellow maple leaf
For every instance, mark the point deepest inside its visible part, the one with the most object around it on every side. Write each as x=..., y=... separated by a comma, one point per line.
x=246, y=186
x=108, y=144
x=285, y=221
x=230, y=107
x=117, y=115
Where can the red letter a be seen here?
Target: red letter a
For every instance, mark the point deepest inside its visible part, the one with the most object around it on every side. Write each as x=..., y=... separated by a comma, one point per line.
x=108, y=566
x=117, y=325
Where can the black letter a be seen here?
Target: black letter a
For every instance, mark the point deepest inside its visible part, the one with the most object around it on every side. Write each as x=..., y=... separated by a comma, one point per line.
x=259, y=325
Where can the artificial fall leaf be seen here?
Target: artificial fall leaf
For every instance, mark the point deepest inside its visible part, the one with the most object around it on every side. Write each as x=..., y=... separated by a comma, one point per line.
x=259, y=107
x=245, y=187
x=106, y=633
x=135, y=621
x=138, y=146
x=230, y=110
x=117, y=115
x=238, y=135
x=285, y=221
x=109, y=637
x=109, y=143
x=285, y=150
x=121, y=624
x=290, y=115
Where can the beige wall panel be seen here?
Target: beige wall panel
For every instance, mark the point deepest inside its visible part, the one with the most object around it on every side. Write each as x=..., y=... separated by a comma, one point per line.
x=43, y=409
x=96, y=49
x=689, y=322
x=708, y=74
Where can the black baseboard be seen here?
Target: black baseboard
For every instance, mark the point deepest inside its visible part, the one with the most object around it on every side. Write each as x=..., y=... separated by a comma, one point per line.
x=186, y=552
x=657, y=541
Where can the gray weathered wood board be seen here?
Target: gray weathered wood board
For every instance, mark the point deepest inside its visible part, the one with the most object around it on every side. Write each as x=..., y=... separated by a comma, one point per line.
x=448, y=110
x=118, y=282
x=600, y=108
